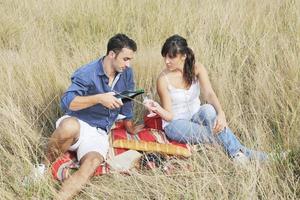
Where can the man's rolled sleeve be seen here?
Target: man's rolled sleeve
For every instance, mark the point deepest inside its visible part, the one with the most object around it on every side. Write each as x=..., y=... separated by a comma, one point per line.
x=127, y=108
x=79, y=87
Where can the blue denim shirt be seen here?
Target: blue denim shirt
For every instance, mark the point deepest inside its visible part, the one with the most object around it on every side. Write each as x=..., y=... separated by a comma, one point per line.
x=90, y=80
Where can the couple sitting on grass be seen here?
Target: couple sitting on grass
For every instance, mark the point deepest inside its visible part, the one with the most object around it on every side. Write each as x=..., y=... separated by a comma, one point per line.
x=91, y=108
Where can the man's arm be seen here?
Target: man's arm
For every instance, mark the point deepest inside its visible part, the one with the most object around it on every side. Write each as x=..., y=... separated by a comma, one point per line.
x=127, y=108
x=106, y=99
x=76, y=97
x=131, y=128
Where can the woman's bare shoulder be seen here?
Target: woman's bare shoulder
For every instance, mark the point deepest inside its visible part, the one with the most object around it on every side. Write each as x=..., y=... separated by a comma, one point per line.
x=163, y=75
x=199, y=68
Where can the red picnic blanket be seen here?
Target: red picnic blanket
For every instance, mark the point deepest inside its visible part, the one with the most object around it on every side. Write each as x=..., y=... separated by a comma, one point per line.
x=65, y=165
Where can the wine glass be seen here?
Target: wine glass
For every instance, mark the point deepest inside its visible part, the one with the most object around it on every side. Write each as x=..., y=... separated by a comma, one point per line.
x=148, y=100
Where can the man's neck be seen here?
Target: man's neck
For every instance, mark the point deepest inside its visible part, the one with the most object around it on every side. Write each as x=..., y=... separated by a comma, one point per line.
x=107, y=67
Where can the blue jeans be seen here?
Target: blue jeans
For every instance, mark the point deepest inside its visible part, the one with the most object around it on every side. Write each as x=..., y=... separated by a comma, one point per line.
x=199, y=130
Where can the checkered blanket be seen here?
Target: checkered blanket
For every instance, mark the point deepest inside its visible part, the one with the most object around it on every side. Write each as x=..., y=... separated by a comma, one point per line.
x=67, y=164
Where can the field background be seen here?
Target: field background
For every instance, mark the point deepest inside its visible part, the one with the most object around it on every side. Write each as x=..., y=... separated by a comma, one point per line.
x=250, y=48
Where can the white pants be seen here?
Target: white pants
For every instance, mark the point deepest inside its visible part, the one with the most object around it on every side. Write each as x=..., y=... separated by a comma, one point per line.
x=91, y=139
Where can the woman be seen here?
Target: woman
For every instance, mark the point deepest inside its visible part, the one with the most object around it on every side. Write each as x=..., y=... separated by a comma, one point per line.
x=184, y=119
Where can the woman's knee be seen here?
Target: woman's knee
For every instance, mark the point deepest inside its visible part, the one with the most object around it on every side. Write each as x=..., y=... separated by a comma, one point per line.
x=176, y=129
x=208, y=112
x=184, y=131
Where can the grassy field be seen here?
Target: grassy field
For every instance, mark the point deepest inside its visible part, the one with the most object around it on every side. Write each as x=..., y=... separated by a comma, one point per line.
x=250, y=48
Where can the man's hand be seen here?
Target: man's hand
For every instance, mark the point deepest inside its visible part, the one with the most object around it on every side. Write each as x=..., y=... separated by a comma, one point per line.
x=109, y=101
x=138, y=128
x=220, y=123
x=131, y=128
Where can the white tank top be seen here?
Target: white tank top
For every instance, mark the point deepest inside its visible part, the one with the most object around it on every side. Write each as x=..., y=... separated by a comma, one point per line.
x=185, y=102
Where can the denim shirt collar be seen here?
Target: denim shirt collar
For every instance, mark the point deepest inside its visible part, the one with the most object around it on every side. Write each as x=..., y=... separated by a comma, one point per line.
x=101, y=68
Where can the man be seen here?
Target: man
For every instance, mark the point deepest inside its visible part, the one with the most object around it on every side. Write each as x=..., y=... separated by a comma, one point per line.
x=90, y=111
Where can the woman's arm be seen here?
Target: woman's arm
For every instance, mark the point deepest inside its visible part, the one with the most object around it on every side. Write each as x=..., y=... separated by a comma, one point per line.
x=210, y=96
x=165, y=111
x=162, y=89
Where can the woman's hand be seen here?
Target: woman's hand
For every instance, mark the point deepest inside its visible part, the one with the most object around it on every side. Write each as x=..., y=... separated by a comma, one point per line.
x=220, y=123
x=152, y=105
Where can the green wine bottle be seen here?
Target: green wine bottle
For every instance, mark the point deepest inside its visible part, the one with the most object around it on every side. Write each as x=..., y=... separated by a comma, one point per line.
x=128, y=95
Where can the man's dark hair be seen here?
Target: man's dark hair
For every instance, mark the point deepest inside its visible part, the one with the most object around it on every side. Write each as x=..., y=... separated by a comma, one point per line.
x=120, y=41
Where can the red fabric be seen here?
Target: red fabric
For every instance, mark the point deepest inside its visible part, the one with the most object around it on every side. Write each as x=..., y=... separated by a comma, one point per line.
x=154, y=122
x=144, y=135
x=119, y=125
x=122, y=134
x=62, y=167
x=66, y=159
x=67, y=164
x=118, y=134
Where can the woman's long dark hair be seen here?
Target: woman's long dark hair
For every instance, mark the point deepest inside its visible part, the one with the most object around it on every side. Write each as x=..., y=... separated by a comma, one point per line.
x=177, y=45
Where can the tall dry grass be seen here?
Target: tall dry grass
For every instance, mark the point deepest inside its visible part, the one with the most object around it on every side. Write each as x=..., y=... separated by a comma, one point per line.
x=250, y=48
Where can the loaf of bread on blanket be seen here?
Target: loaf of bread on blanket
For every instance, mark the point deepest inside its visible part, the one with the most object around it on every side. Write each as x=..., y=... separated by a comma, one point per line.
x=169, y=149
